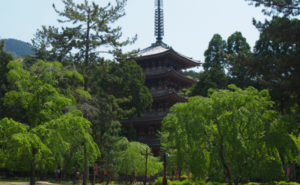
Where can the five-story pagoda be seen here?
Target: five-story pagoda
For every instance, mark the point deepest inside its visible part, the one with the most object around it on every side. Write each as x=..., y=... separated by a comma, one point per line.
x=161, y=65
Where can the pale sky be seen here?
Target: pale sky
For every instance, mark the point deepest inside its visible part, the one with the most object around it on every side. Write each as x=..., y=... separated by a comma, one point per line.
x=189, y=24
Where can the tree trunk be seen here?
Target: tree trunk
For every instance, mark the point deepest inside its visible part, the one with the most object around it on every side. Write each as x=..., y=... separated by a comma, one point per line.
x=283, y=163
x=94, y=177
x=33, y=166
x=86, y=61
x=226, y=169
x=164, y=180
x=86, y=167
x=145, y=180
x=87, y=50
x=107, y=180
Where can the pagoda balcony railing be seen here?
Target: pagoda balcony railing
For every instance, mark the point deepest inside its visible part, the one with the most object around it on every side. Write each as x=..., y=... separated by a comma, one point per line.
x=156, y=70
x=161, y=92
x=155, y=113
x=150, y=140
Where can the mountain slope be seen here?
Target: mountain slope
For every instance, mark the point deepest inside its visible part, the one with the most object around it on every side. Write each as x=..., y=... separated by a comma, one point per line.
x=17, y=47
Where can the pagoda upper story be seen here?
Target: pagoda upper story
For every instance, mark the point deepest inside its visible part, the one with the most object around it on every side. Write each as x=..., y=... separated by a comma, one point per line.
x=161, y=65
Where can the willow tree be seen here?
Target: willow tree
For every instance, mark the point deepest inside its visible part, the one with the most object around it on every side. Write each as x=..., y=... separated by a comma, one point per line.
x=44, y=123
x=134, y=160
x=231, y=133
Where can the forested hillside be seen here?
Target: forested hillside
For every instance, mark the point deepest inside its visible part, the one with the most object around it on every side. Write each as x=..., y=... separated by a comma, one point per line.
x=17, y=48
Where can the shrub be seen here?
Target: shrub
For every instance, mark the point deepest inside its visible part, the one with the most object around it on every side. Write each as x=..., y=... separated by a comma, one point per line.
x=158, y=181
x=253, y=183
x=279, y=183
x=176, y=182
x=186, y=182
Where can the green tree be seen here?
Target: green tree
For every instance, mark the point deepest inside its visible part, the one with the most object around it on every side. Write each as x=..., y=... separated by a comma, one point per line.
x=276, y=56
x=126, y=81
x=214, y=55
x=213, y=75
x=275, y=66
x=89, y=31
x=119, y=93
x=190, y=74
x=134, y=160
x=280, y=34
x=290, y=7
x=238, y=55
x=44, y=146
x=229, y=130
x=42, y=123
x=210, y=79
x=5, y=58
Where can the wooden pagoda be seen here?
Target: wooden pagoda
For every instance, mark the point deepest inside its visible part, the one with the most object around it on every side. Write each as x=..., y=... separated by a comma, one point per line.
x=161, y=67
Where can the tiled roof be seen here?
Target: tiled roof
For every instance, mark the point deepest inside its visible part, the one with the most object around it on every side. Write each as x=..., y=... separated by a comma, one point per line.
x=153, y=50
x=162, y=48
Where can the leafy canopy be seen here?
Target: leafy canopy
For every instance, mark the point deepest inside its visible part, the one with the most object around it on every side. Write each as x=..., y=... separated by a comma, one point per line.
x=231, y=130
x=45, y=124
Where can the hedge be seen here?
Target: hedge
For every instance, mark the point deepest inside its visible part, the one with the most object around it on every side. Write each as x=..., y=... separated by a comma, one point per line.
x=158, y=181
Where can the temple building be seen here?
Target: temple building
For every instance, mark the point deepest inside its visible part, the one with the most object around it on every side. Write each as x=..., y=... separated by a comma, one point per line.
x=161, y=67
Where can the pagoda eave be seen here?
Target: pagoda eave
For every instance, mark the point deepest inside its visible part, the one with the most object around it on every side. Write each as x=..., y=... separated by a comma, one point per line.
x=172, y=74
x=144, y=120
x=159, y=51
x=170, y=97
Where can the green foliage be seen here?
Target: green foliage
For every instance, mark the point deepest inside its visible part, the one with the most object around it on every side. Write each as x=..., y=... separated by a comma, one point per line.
x=214, y=55
x=34, y=92
x=271, y=7
x=117, y=88
x=21, y=143
x=134, y=159
x=228, y=130
x=238, y=58
x=275, y=65
x=158, y=181
x=118, y=93
x=51, y=140
x=276, y=53
x=214, y=73
x=210, y=79
x=125, y=81
x=48, y=132
x=73, y=124
x=87, y=27
x=190, y=74
x=4, y=60
x=297, y=141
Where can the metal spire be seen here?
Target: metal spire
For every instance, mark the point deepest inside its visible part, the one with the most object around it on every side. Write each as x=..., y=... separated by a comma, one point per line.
x=159, y=20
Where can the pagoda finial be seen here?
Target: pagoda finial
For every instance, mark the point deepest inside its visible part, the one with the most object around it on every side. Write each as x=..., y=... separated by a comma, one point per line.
x=159, y=21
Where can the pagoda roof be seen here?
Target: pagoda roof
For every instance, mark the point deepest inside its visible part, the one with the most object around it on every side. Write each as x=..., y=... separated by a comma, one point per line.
x=171, y=73
x=144, y=119
x=168, y=96
x=161, y=49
